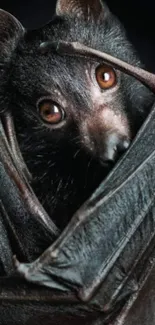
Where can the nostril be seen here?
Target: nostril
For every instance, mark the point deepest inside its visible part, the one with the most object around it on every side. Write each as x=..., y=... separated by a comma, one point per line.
x=123, y=145
x=107, y=159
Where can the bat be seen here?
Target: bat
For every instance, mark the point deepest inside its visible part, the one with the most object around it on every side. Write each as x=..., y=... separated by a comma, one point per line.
x=80, y=119
x=102, y=258
x=117, y=258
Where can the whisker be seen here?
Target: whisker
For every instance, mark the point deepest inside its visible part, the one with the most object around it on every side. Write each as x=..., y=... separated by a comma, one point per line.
x=74, y=139
x=52, y=164
x=77, y=152
x=86, y=176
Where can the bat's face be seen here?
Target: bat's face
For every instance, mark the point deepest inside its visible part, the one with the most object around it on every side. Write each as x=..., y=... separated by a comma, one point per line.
x=73, y=100
x=72, y=114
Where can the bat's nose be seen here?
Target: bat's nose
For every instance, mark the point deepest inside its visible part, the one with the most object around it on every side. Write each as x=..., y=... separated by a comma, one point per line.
x=115, y=145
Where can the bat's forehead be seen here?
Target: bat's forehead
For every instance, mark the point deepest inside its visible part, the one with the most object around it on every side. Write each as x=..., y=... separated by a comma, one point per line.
x=35, y=73
x=95, y=34
x=32, y=67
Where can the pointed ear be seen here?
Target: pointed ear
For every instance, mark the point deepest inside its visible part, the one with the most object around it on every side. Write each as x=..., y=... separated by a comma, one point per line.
x=10, y=32
x=85, y=8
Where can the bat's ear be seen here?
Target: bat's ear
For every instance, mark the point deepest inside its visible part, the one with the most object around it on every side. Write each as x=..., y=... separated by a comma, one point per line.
x=10, y=32
x=84, y=8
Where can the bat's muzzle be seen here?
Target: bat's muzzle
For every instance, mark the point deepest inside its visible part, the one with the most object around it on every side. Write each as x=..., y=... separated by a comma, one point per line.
x=114, y=147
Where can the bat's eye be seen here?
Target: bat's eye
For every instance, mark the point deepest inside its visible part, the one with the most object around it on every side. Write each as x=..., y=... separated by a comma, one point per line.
x=106, y=76
x=50, y=112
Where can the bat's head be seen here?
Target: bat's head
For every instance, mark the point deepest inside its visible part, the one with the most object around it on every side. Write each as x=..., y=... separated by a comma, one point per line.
x=102, y=105
x=71, y=111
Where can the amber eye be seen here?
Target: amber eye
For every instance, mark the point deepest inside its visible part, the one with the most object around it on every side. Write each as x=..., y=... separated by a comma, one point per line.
x=106, y=76
x=50, y=112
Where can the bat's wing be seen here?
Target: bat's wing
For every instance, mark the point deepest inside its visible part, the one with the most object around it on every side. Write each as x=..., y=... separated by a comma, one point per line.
x=25, y=230
x=108, y=247
x=105, y=252
x=29, y=228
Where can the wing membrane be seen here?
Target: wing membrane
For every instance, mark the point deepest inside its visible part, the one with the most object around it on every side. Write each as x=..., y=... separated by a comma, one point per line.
x=110, y=233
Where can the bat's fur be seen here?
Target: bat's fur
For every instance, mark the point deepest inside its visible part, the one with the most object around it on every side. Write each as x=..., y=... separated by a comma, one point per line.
x=65, y=172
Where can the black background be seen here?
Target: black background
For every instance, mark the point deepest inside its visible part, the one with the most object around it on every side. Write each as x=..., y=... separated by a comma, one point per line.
x=137, y=16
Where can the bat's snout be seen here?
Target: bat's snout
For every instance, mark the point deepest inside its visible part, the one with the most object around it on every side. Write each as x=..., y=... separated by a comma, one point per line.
x=106, y=135
x=114, y=146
